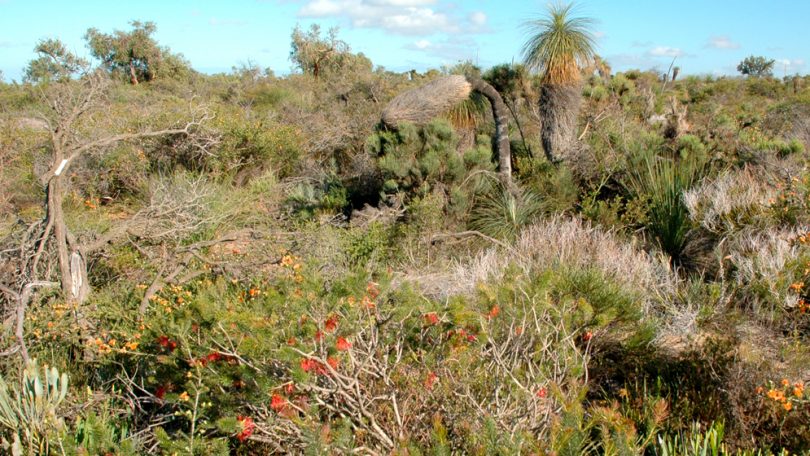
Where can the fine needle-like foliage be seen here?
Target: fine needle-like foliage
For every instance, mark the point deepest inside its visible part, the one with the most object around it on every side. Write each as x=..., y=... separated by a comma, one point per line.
x=559, y=45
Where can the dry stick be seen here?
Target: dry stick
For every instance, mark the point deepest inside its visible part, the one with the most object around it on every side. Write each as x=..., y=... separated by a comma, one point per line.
x=22, y=303
x=465, y=234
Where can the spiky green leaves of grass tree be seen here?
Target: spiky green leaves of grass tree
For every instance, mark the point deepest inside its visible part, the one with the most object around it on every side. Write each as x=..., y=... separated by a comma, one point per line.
x=660, y=181
x=502, y=214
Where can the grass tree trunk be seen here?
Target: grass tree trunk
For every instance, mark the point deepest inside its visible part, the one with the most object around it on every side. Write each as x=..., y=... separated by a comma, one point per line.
x=500, y=113
x=559, y=107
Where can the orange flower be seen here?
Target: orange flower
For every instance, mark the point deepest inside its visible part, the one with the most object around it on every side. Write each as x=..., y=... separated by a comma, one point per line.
x=788, y=406
x=343, y=344
x=333, y=362
x=494, y=312
x=759, y=390
x=184, y=396
x=785, y=382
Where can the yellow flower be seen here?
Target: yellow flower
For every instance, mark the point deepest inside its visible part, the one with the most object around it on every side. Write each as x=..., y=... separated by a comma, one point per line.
x=184, y=396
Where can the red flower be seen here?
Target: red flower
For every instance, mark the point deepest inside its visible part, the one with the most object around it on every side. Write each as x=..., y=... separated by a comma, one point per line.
x=343, y=344
x=278, y=403
x=166, y=343
x=247, y=427
x=494, y=312
x=431, y=319
x=160, y=391
x=318, y=336
x=542, y=392
x=331, y=324
x=333, y=362
x=291, y=341
x=289, y=388
x=372, y=291
x=587, y=336
x=213, y=357
x=430, y=380
x=308, y=364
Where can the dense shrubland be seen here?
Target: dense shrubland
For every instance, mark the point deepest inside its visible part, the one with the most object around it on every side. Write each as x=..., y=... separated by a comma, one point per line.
x=270, y=270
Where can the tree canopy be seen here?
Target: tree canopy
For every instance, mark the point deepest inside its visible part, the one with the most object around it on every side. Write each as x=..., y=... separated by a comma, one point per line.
x=320, y=55
x=54, y=63
x=134, y=54
x=559, y=45
x=756, y=66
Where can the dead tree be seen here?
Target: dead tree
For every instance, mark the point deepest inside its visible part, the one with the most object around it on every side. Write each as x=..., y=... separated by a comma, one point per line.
x=69, y=104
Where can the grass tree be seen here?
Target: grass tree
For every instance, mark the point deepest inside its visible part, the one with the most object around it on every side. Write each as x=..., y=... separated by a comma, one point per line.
x=559, y=45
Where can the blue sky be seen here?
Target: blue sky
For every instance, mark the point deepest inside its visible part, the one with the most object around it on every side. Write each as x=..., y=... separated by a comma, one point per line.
x=705, y=36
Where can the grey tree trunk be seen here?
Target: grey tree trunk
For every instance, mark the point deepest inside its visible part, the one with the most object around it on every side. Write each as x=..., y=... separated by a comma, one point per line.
x=501, y=115
x=559, y=107
x=72, y=267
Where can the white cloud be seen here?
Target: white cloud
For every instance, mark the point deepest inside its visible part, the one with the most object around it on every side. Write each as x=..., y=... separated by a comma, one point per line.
x=478, y=18
x=452, y=50
x=665, y=51
x=721, y=42
x=404, y=17
x=788, y=66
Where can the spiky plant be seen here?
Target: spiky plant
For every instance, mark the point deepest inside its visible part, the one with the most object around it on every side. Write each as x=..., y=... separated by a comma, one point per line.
x=662, y=181
x=504, y=213
x=559, y=45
